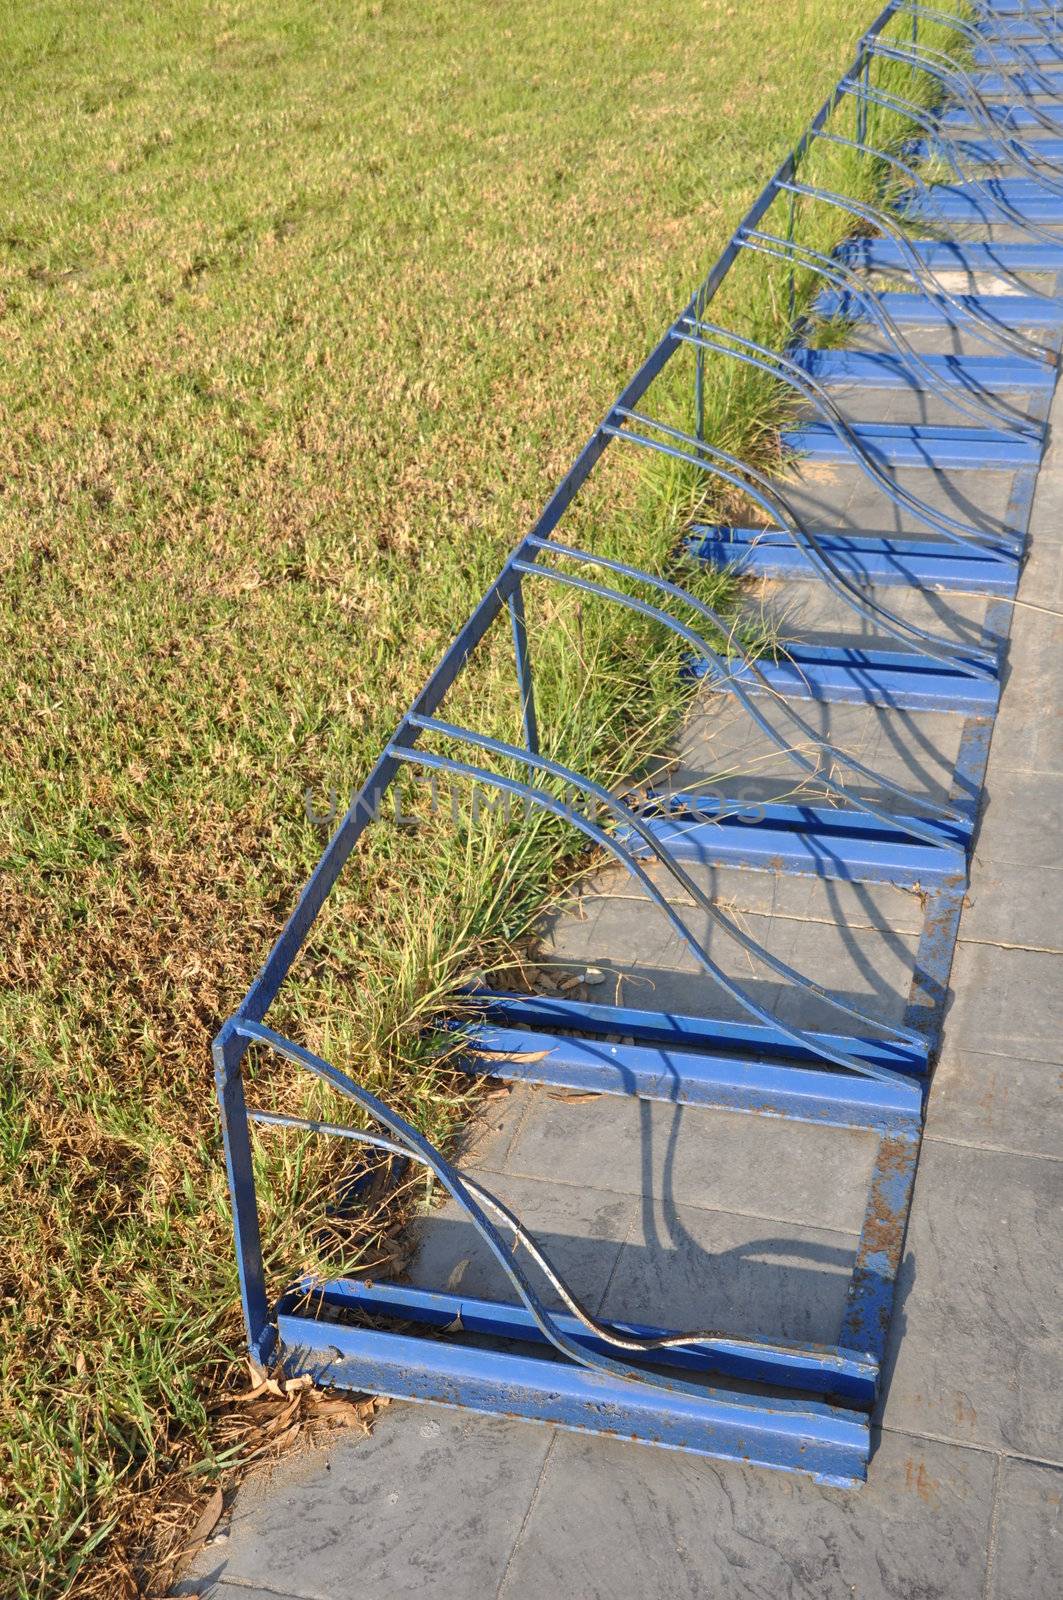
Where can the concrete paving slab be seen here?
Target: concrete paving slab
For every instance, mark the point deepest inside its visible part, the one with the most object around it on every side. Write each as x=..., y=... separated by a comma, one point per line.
x=687, y=1268
x=581, y=1229
x=809, y=611
x=768, y=894
x=1015, y=905
x=431, y=1502
x=488, y=1137
x=1027, y=1561
x=1042, y=572
x=1046, y=520
x=937, y=339
x=720, y=745
x=839, y=496
x=974, y=1343
x=1022, y=819
x=208, y=1587
x=1028, y=736
x=720, y=1160
x=613, y=1521
x=999, y=1102
x=1005, y=1003
x=870, y=967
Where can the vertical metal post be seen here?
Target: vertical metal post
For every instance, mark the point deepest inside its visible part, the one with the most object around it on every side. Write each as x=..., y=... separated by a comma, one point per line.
x=228, y=1052
x=699, y=378
x=861, y=104
x=524, y=672
x=792, y=281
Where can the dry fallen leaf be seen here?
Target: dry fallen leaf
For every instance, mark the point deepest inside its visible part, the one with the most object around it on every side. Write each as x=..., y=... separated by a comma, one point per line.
x=349, y=1413
x=205, y=1524
x=512, y=1055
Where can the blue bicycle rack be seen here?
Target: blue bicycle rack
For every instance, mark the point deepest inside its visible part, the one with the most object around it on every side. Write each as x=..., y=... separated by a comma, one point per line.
x=909, y=280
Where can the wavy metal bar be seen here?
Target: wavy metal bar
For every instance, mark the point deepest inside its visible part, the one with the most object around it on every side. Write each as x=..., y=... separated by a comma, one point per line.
x=967, y=314
x=602, y=1330
x=606, y=841
x=995, y=201
x=949, y=149
x=748, y=704
x=999, y=62
x=841, y=276
x=956, y=82
x=760, y=489
x=1037, y=21
x=415, y=1145
x=777, y=366
x=943, y=61
x=768, y=495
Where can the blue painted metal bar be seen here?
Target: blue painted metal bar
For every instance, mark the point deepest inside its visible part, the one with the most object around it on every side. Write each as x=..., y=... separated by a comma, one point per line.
x=1041, y=55
x=848, y=675
x=880, y=559
x=800, y=1436
x=995, y=152
x=964, y=309
x=745, y=1039
x=818, y=1369
x=954, y=202
x=879, y=1253
x=1015, y=118
x=808, y=840
x=976, y=404
x=881, y=369
x=921, y=310
x=236, y=1138
x=994, y=84
x=714, y=662
x=526, y=686
x=956, y=255
x=917, y=445
x=684, y=1077
x=611, y=843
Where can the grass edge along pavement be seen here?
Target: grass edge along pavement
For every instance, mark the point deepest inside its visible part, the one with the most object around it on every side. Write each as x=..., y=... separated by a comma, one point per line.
x=130, y=1429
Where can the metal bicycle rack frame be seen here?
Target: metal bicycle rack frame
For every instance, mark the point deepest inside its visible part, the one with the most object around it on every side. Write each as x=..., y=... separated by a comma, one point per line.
x=803, y=1407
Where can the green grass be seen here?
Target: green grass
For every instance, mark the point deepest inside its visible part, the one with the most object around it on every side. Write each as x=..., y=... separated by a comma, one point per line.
x=305, y=309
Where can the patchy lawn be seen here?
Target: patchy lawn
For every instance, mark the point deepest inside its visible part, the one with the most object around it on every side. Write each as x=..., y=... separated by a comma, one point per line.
x=305, y=308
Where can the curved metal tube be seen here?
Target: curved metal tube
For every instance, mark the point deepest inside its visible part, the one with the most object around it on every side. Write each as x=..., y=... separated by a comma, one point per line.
x=541, y=797
x=1028, y=158
x=887, y=100
x=1004, y=207
x=980, y=326
x=602, y=1330
x=684, y=596
x=414, y=1144
x=915, y=8
x=975, y=407
x=1040, y=23
x=471, y=1197
x=785, y=519
x=761, y=358
x=936, y=61
x=998, y=62
x=942, y=67
x=767, y=495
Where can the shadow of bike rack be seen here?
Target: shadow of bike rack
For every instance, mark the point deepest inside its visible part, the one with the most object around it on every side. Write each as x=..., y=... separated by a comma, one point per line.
x=799, y=1406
